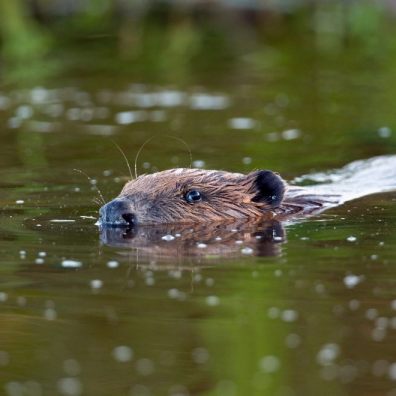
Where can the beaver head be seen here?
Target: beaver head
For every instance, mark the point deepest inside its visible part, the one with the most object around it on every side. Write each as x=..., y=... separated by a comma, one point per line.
x=194, y=196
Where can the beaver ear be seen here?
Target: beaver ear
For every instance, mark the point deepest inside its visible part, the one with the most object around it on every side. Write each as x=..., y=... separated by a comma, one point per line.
x=268, y=187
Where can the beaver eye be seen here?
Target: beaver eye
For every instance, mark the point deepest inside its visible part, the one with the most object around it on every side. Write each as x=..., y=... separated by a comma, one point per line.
x=192, y=196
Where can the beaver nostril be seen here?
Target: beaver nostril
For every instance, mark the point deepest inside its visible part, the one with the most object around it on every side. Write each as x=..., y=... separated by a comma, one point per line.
x=129, y=218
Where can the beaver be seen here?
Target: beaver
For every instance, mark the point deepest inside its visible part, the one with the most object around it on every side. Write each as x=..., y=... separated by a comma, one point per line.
x=198, y=196
x=209, y=214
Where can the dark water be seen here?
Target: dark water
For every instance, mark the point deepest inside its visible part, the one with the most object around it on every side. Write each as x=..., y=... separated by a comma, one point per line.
x=81, y=317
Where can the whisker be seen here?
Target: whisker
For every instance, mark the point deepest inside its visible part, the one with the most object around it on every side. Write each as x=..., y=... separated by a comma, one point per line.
x=125, y=158
x=185, y=145
x=91, y=180
x=138, y=153
x=95, y=200
x=149, y=140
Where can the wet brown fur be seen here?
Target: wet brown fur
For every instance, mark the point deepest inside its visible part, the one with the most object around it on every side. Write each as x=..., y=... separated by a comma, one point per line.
x=160, y=197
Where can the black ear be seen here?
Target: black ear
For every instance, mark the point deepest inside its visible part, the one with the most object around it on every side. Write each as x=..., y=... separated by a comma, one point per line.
x=269, y=187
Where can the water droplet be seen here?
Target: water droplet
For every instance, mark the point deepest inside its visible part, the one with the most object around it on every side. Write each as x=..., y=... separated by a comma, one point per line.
x=327, y=354
x=198, y=164
x=289, y=315
x=50, y=314
x=246, y=160
x=69, y=386
x=392, y=371
x=71, y=264
x=247, y=251
x=371, y=313
x=112, y=264
x=241, y=123
x=212, y=301
x=168, y=238
x=122, y=353
x=354, y=305
x=96, y=283
x=129, y=117
x=384, y=132
x=24, y=112
x=269, y=364
x=209, y=282
x=200, y=355
x=291, y=134
x=208, y=102
x=3, y=296
x=145, y=367
x=378, y=334
x=351, y=281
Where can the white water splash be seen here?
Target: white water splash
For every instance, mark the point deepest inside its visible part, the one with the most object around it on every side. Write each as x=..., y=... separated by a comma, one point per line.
x=355, y=180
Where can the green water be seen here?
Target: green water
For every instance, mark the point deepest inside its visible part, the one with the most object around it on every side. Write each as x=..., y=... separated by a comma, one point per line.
x=79, y=317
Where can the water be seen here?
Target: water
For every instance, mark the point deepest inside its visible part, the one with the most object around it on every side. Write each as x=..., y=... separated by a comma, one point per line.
x=313, y=311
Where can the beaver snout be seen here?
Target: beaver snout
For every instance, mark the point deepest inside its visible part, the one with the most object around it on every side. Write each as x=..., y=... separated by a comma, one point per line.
x=117, y=212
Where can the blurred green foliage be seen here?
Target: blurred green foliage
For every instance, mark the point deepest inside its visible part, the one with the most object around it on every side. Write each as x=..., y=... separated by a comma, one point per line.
x=24, y=44
x=175, y=40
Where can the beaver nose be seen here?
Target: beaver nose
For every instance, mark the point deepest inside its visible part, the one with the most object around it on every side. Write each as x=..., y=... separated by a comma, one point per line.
x=117, y=212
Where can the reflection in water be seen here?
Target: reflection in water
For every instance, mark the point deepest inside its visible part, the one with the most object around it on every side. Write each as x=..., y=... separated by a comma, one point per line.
x=205, y=242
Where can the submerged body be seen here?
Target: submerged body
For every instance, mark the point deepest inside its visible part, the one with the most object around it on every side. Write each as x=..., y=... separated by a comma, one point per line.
x=196, y=196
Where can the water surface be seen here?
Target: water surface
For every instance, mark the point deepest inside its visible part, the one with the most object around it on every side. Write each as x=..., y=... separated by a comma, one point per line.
x=83, y=317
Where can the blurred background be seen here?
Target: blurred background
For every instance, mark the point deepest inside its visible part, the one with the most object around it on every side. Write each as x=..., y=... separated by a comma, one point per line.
x=291, y=85
x=320, y=72
x=187, y=41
